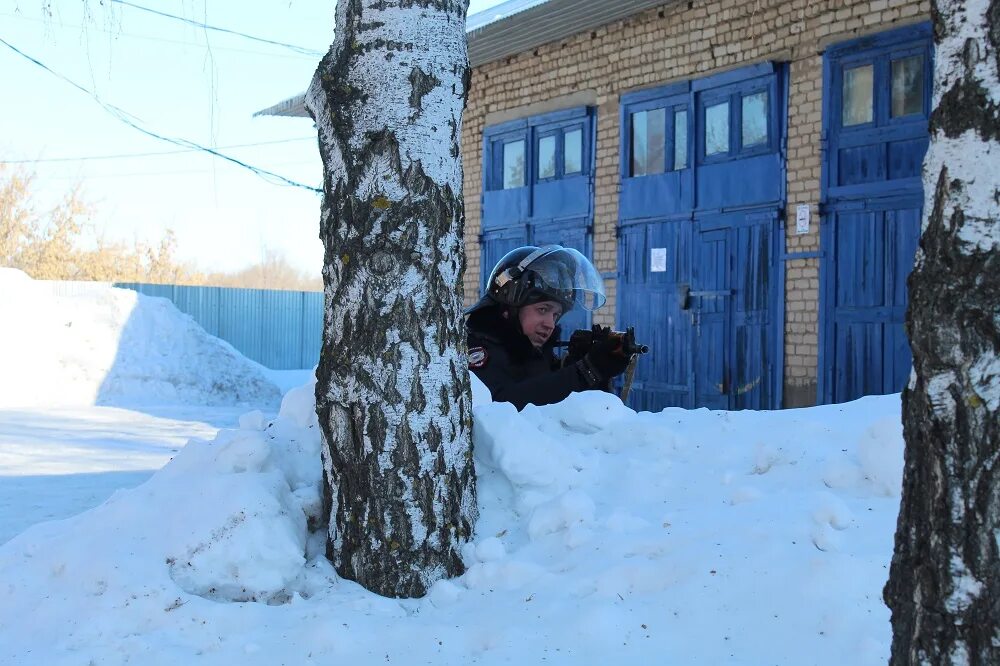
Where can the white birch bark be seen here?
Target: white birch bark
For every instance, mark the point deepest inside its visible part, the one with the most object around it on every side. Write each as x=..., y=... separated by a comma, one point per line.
x=393, y=392
x=944, y=583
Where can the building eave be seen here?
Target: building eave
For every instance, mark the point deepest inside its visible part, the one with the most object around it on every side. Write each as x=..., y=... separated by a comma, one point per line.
x=548, y=22
x=293, y=107
x=515, y=27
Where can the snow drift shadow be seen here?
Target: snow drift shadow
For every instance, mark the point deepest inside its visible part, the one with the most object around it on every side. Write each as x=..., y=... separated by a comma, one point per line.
x=28, y=500
x=164, y=357
x=93, y=344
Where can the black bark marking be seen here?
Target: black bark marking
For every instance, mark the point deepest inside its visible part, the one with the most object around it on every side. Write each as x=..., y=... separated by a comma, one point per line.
x=993, y=31
x=951, y=483
x=421, y=83
x=967, y=105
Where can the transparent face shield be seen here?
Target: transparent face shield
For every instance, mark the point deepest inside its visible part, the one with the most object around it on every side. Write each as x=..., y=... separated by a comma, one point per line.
x=565, y=274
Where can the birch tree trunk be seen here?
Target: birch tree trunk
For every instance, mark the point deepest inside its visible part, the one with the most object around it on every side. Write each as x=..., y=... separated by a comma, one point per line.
x=393, y=393
x=944, y=583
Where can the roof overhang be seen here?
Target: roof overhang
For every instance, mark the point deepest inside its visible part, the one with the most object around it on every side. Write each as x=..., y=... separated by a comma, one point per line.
x=539, y=24
x=514, y=27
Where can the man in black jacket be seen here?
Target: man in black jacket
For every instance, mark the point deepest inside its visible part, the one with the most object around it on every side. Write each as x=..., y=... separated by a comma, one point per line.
x=513, y=328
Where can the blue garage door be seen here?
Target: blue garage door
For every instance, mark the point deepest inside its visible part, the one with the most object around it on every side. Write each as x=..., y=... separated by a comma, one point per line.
x=702, y=190
x=538, y=188
x=877, y=99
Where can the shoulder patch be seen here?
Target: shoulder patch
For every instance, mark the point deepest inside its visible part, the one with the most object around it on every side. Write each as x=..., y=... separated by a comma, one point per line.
x=477, y=357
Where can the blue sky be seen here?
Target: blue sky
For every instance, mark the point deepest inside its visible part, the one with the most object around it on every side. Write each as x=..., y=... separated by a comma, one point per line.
x=180, y=81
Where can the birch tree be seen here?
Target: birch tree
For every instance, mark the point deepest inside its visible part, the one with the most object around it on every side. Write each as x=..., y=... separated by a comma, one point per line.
x=944, y=583
x=392, y=393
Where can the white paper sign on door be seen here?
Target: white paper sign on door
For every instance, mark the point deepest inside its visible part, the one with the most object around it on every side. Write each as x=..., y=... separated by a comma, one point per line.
x=658, y=260
x=802, y=219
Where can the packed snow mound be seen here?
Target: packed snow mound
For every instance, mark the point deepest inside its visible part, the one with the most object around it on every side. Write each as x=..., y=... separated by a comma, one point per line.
x=107, y=346
x=605, y=536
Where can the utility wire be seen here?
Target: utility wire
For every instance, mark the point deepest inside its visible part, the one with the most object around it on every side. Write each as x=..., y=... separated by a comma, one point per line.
x=199, y=24
x=141, y=174
x=126, y=118
x=153, y=154
x=130, y=35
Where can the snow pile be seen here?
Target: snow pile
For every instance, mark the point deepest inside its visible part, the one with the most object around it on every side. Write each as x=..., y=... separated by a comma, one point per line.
x=605, y=536
x=114, y=347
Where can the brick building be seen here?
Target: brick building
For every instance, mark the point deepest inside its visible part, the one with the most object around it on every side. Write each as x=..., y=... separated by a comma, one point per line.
x=744, y=173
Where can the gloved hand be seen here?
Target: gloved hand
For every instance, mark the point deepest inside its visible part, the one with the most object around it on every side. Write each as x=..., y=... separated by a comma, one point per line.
x=604, y=358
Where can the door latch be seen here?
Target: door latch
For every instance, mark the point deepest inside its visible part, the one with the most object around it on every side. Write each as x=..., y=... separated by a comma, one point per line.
x=684, y=294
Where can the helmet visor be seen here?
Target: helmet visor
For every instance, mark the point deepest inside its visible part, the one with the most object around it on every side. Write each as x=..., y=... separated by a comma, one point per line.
x=570, y=277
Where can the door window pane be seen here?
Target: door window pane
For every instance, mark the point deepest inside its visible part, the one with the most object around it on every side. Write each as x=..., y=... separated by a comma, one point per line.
x=754, y=130
x=648, y=141
x=546, y=157
x=639, y=142
x=573, y=151
x=513, y=164
x=680, y=139
x=717, y=129
x=907, y=86
x=857, y=102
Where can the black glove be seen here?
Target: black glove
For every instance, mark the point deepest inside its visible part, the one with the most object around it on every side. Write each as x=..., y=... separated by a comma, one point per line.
x=603, y=357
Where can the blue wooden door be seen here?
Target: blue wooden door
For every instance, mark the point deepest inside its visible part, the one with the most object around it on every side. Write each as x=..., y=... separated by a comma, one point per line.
x=756, y=340
x=732, y=304
x=650, y=298
x=710, y=305
x=702, y=189
x=877, y=99
x=538, y=188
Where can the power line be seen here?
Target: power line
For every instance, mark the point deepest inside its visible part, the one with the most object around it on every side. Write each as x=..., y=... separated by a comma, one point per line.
x=132, y=35
x=141, y=174
x=153, y=154
x=199, y=24
x=126, y=118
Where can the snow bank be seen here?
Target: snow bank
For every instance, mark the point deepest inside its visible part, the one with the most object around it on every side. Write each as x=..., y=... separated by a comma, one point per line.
x=605, y=536
x=110, y=346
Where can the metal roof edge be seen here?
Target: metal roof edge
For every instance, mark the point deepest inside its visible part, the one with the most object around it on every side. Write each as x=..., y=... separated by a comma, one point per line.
x=541, y=24
x=293, y=107
x=529, y=24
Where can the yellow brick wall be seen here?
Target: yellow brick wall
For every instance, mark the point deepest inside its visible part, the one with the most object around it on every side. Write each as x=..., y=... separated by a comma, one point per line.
x=679, y=41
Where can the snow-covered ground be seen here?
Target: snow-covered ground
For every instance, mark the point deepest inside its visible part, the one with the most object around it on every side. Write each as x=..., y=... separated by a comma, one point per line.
x=57, y=462
x=100, y=387
x=605, y=537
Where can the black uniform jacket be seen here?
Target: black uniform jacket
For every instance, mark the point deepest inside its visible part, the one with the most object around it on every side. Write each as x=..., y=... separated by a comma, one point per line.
x=514, y=370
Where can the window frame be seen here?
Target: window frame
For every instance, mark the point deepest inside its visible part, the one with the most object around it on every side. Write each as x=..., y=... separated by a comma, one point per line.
x=561, y=153
x=882, y=87
x=557, y=157
x=670, y=105
x=928, y=81
x=853, y=63
x=531, y=130
x=734, y=94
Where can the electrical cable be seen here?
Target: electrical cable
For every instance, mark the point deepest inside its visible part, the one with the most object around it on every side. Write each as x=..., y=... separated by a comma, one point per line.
x=150, y=38
x=126, y=118
x=199, y=24
x=153, y=154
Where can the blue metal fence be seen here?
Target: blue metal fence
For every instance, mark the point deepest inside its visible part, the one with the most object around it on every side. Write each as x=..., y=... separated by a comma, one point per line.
x=282, y=330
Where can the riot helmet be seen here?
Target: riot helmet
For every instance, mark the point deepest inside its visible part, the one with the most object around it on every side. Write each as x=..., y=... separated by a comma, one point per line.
x=532, y=274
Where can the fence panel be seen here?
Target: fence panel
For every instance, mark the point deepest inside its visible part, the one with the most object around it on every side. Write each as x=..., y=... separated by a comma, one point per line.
x=238, y=309
x=281, y=330
x=311, y=327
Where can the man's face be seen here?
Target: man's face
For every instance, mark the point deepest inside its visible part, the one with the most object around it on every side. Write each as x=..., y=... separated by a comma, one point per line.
x=538, y=320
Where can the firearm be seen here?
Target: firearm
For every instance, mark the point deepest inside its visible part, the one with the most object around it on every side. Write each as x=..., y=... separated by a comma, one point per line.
x=583, y=339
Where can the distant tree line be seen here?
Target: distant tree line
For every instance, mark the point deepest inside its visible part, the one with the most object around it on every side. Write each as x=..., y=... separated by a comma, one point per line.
x=61, y=243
